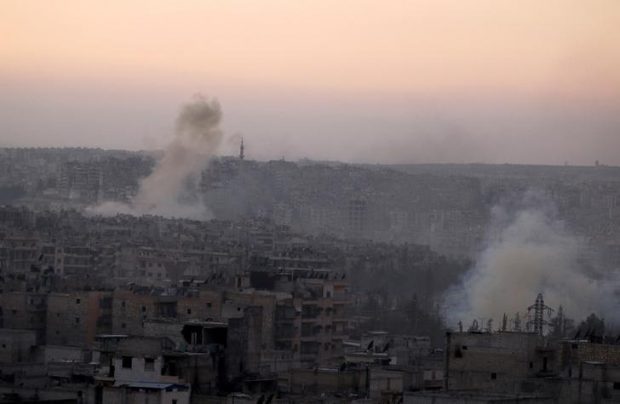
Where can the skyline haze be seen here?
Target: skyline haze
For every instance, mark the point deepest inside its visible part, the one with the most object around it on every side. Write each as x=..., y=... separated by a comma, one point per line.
x=402, y=82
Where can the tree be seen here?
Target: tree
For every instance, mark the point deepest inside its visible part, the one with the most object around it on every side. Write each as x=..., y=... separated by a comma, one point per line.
x=561, y=326
x=592, y=328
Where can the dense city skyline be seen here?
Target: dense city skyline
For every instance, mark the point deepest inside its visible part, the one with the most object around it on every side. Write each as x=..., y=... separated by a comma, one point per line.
x=309, y=201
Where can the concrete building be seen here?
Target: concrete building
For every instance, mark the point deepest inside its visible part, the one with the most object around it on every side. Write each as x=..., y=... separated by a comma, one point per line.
x=468, y=397
x=328, y=380
x=141, y=369
x=18, y=253
x=132, y=308
x=24, y=310
x=74, y=319
x=17, y=346
x=497, y=361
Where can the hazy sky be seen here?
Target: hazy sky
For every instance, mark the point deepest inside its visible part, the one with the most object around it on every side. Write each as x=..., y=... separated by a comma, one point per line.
x=522, y=81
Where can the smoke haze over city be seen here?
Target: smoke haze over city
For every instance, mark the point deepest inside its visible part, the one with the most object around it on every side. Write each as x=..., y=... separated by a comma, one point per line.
x=309, y=201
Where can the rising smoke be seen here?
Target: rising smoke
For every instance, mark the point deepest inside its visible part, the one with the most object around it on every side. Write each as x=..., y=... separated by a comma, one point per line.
x=530, y=251
x=170, y=189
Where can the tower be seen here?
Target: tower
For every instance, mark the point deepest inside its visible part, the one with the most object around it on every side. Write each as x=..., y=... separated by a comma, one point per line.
x=241, y=150
x=539, y=312
x=517, y=322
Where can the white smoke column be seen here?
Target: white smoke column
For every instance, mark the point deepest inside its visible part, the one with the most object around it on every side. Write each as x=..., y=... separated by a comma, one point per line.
x=530, y=252
x=162, y=193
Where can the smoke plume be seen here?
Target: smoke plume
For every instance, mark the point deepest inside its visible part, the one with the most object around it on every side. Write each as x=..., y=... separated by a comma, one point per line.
x=531, y=251
x=170, y=190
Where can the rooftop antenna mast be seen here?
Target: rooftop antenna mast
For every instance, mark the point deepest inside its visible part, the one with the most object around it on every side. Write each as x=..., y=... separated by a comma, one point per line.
x=241, y=150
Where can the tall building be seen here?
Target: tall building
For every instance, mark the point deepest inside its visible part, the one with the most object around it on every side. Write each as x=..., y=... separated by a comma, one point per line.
x=356, y=216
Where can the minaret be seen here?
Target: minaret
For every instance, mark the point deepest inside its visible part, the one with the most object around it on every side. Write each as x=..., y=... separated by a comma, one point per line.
x=241, y=150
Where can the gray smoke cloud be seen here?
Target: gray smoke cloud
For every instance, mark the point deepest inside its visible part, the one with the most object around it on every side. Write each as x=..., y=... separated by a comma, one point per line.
x=170, y=189
x=531, y=251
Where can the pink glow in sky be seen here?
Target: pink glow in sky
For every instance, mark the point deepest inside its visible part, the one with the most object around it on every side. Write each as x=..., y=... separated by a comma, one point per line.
x=364, y=80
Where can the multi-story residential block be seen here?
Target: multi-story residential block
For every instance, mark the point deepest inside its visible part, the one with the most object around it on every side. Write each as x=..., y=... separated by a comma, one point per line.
x=76, y=318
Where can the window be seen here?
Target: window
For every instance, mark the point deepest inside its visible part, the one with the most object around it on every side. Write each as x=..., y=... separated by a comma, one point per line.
x=127, y=362
x=189, y=311
x=493, y=376
x=616, y=385
x=209, y=304
x=143, y=309
x=149, y=364
x=77, y=301
x=123, y=304
x=174, y=401
x=531, y=365
x=124, y=325
x=77, y=320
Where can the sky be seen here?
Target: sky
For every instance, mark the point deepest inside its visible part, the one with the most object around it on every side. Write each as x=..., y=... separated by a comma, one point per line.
x=378, y=81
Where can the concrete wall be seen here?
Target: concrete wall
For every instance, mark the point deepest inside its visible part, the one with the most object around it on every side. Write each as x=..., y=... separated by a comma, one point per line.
x=495, y=362
x=122, y=395
x=586, y=351
x=24, y=310
x=138, y=371
x=390, y=381
x=244, y=343
x=131, y=310
x=75, y=318
x=15, y=345
x=327, y=380
x=471, y=398
x=57, y=353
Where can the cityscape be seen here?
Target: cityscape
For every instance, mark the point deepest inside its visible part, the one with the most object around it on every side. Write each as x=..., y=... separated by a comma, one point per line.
x=298, y=202
x=290, y=292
